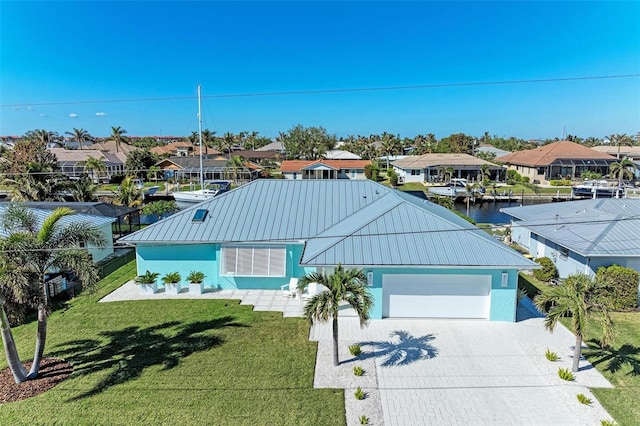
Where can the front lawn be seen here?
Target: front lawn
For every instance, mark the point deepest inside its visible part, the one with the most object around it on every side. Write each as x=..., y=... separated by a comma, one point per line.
x=176, y=362
x=621, y=366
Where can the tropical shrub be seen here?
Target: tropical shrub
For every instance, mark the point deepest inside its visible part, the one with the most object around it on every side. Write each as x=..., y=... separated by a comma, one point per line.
x=548, y=270
x=583, y=399
x=359, y=393
x=590, y=175
x=551, y=356
x=358, y=371
x=147, y=278
x=368, y=171
x=393, y=178
x=607, y=423
x=363, y=420
x=355, y=350
x=160, y=208
x=196, y=277
x=560, y=182
x=622, y=286
x=565, y=374
x=171, y=278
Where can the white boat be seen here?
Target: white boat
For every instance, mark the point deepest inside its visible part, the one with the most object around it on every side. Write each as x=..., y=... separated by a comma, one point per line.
x=597, y=189
x=210, y=189
x=456, y=188
x=207, y=189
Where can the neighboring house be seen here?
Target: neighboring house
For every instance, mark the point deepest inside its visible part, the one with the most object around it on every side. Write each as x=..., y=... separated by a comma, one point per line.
x=580, y=236
x=324, y=169
x=121, y=152
x=428, y=167
x=273, y=146
x=177, y=149
x=72, y=162
x=558, y=160
x=492, y=150
x=420, y=259
x=338, y=154
x=103, y=223
x=631, y=152
x=256, y=156
x=212, y=168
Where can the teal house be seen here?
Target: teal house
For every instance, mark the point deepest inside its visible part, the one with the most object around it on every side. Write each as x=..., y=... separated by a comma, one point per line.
x=421, y=260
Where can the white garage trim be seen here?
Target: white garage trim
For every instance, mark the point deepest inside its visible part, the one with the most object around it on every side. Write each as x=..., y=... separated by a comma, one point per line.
x=436, y=296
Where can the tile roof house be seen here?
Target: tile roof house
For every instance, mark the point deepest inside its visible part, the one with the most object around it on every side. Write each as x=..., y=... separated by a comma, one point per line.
x=558, y=160
x=215, y=168
x=580, y=236
x=631, y=152
x=72, y=161
x=324, y=169
x=426, y=168
x=420, y=259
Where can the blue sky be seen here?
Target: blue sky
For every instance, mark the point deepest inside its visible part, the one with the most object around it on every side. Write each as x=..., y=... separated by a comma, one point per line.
x=69, y=52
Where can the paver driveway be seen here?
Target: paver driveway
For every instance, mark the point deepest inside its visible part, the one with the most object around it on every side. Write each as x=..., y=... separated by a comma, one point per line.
x=460, y=372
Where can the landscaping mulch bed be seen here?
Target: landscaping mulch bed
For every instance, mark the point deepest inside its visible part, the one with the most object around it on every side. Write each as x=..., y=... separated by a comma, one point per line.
x=52, y=372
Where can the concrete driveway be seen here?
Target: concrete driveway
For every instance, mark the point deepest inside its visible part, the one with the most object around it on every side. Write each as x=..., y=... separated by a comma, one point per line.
x=459, y=372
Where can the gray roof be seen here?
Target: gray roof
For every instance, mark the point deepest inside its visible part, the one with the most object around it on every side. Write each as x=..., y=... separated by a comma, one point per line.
x=437, y=159
x=95, y=208
x=41, y=215
x=273, y=146
x=351, y=222
x=591, y=228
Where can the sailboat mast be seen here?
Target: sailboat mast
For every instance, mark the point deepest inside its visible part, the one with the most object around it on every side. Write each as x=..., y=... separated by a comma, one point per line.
x=200, y=138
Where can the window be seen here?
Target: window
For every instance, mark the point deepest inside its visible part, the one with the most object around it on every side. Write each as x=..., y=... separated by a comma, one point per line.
x=199, y=215
x=254, y=261
x=415, y=172
x=564, y=252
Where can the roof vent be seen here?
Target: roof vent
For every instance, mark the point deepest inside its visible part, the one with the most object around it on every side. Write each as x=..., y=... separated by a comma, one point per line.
x=199, y=215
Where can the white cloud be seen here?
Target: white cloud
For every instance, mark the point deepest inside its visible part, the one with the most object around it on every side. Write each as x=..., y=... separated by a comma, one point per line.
x=29, y=108
x=100, y=114
x=72, y=115
x=43, y=115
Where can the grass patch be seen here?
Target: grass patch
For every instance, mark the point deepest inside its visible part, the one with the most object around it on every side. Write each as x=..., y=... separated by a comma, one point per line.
x=620, y=364
x=176, y=362
x=531, y=285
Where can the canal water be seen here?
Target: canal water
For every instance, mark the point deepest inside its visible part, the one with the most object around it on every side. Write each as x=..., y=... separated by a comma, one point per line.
x=489, y=211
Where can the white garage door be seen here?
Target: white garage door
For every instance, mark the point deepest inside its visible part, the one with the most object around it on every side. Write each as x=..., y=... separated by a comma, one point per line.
x=436, y=296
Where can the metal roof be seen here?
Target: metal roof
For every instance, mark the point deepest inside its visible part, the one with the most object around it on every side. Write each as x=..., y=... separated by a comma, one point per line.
x=41, y=215
x=591, y=228
x=351, y=222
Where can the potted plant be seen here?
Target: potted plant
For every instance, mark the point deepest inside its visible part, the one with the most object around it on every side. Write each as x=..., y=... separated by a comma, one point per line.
x=172, y=283
x=147, y=282
x=195, y=279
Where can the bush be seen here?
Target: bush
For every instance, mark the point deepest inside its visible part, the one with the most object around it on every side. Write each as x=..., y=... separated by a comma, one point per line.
x=563, y=182
x=551, y=356
x=359, y=393
x=368, y=171
x=160, y=208
x=583, y=399
x=358, y=371
x=622, y=284
x=355, y=350
x=565, y=374
x=393, y=177
x=590, y=175
x=363, y=420
x=548, y=270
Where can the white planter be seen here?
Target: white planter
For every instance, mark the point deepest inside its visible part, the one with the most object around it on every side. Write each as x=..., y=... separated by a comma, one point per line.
x=195, y=288
x=172, y=288
x=148, y=288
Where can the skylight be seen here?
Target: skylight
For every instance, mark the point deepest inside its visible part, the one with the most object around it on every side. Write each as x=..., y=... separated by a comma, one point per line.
x=199, y=215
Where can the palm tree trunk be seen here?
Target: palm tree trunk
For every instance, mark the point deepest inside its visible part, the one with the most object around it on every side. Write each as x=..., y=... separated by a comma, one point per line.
x=41, y=338
x=10, y=351
x=577, y=353
x=336, y=359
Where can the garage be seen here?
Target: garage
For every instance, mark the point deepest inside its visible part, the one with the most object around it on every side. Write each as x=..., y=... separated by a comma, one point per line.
x=436, y=296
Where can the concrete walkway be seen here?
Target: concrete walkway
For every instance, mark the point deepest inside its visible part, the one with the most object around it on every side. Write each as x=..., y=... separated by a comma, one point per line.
x=438, y=372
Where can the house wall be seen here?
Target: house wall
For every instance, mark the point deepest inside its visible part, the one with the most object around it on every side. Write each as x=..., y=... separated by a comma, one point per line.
x=503, y=300
x=185, y=258
x=408, y=177
x=292, y=175
x=530, y=172
x=100, y=253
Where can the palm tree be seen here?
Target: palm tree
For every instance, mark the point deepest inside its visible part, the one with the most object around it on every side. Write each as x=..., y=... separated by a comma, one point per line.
x=154, y=171
x=117, y=135
x=80, y=135
x=622, y=169
x=95, y=166
x=226, y=142
x=343, y=285
x=29, y=253
x=484, y=172
x=583, y=299
x=128, y=194
x=208, y=138
x=235, y=163
x=84, y=190
x=618, y=140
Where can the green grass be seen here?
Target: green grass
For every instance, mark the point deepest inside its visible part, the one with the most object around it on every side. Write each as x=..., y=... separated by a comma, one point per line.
x=531, y=285
x=621, y=366
x=176, y=362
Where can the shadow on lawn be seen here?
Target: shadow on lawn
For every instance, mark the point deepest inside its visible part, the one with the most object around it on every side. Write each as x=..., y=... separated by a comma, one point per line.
x=129, y=351
x=614, y=358
x=402, y=349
